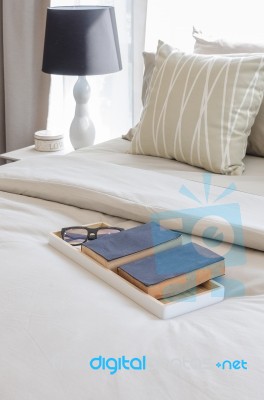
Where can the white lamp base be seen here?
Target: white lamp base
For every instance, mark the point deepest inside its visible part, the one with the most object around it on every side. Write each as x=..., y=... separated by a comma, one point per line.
x=82, y=131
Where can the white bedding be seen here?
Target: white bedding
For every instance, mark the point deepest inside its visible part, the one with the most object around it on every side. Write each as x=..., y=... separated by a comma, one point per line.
x=55, y=316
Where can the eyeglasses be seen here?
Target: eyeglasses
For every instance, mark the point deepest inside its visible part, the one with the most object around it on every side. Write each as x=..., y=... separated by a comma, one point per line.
x=77, y=235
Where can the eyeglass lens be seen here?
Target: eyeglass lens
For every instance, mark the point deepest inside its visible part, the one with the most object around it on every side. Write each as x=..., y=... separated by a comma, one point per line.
x=75, y=236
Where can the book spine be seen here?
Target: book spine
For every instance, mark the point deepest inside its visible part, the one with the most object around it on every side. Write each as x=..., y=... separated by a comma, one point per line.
x=179, y=284
x=113, y=264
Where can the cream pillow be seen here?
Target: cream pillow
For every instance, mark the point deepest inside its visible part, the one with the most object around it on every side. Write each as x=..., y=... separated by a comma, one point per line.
x=205, y=44
x=149, y=64
x=209, y=45
x=200, y=109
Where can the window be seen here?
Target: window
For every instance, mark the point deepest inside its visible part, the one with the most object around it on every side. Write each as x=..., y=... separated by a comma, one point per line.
x=172, y=21
x=114, y=103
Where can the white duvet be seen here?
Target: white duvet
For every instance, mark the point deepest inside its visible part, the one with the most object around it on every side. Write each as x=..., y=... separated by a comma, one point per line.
x=55, y=317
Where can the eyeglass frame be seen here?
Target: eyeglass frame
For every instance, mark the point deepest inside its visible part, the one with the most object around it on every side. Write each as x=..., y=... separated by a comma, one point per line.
x=90, y=231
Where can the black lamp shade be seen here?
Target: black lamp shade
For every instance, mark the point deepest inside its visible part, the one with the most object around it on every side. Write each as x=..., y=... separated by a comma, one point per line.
x=81, y=40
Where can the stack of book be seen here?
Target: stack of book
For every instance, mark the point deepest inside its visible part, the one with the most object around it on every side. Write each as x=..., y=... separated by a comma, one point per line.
x=154, y=259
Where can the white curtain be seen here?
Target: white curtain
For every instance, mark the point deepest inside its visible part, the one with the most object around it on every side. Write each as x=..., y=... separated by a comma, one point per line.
x=172, y=21
x=114, y=105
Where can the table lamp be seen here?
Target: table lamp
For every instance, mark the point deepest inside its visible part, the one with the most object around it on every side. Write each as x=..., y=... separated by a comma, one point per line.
x=81, y=40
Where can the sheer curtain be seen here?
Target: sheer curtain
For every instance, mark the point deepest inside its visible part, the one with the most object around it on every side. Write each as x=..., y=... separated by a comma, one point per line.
x=23, y=87
x=173, y=21
x=114, y=104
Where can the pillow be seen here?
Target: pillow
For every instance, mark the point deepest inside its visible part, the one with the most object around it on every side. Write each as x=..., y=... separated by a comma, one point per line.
x=200, y=109
x=208, y=45
x=149, y=64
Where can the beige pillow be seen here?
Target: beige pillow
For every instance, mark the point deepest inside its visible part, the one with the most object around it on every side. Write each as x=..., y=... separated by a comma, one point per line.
x=205, y=44
x=149, y=65
x=209, y=45
x=200, y=109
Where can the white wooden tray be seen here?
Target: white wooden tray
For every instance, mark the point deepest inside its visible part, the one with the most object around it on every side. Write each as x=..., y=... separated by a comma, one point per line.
x=209, y=293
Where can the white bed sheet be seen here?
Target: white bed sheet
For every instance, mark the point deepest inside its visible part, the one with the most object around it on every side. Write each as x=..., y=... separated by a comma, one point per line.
x=117, y=151
x=55, y=317
x=254, y=166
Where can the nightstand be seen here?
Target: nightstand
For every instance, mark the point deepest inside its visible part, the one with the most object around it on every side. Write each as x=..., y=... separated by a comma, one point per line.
x=30, y=151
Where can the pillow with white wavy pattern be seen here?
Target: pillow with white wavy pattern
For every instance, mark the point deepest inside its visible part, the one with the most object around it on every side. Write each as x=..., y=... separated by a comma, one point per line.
x=210, y=45
x=200, y=109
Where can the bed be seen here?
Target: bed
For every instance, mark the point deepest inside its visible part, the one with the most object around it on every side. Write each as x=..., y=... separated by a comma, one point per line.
x=56, y=317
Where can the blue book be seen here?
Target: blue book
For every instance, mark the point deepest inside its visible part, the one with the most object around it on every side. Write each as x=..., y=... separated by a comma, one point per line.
x=174, y=271
x=132, y=244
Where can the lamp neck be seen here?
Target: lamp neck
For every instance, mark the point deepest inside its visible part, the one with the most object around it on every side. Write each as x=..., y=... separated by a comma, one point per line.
x=81, y=90
x=82, y=131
